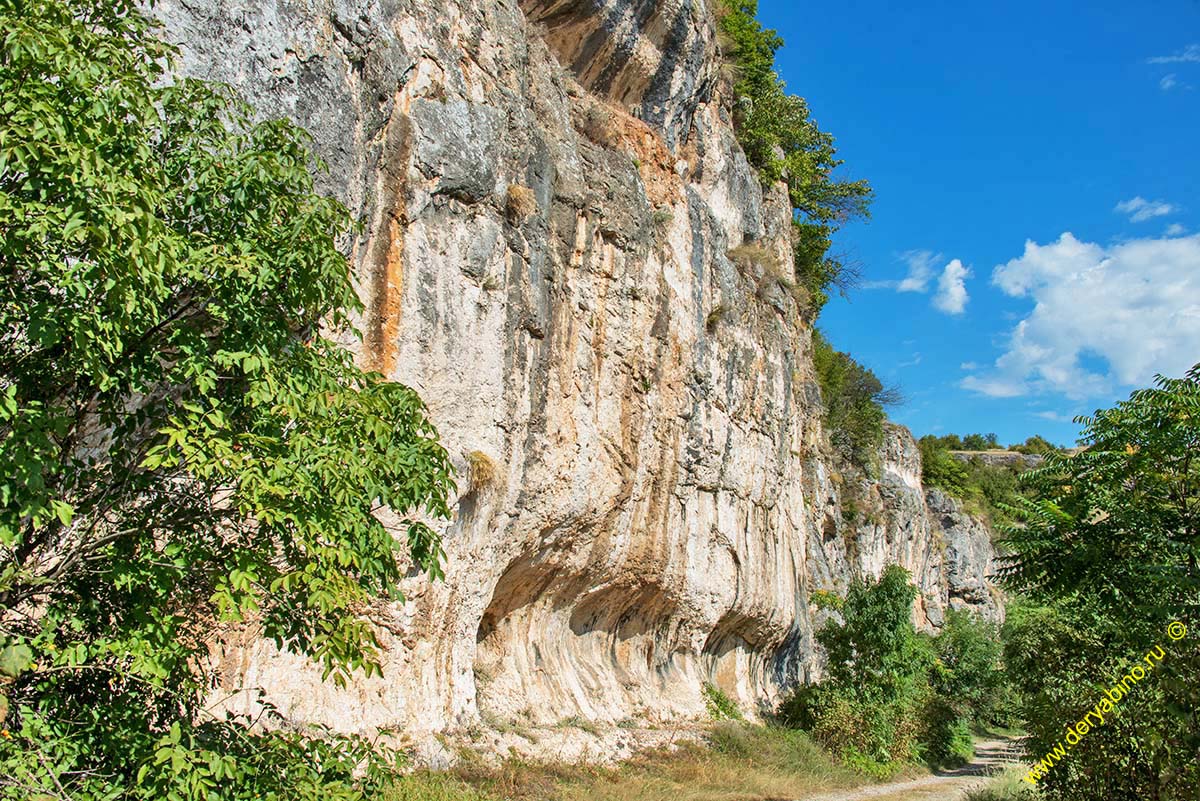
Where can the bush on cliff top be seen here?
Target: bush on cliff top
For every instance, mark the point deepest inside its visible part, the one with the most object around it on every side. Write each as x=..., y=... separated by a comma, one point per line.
x=987, y=490
x=183, y=455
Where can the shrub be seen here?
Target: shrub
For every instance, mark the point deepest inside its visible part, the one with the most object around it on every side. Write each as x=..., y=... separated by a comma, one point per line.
x=866, y=707
x=596, y=123
x=969, y=668
x=940, y=469
x=577, y=722
x=520, y=203
x=891, y=695
x=1107, y=550
x=853, y=399
x=749, y=257
x=714, y=318
x=987, y=490
x=482, y=469
x=720, y=706
x=1036, y=446
x=946, y=733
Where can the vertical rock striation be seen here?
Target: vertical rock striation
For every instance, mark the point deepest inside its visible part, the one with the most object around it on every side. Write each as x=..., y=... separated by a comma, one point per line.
x=650, y=505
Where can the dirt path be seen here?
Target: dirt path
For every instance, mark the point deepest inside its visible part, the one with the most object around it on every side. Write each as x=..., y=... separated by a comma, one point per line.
x=948, y=785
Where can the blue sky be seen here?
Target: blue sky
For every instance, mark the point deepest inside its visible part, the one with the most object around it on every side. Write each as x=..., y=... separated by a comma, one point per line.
x=983, y=127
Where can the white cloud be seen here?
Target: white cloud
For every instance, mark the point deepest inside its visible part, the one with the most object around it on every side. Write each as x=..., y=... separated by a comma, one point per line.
x=1103, y=317
x=920, y=272
x=994, y=387
x=1139, y=209
x=1054, y=417
x=968, y=366
x=1191, y=53
x=1168, y=82
x=1175, y=229
x=952, y=294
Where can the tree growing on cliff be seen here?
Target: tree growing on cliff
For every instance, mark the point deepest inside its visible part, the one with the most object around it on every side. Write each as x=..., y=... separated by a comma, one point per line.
x=784, y=143
x=182, y=454
x=853, y=398
x=866, y=709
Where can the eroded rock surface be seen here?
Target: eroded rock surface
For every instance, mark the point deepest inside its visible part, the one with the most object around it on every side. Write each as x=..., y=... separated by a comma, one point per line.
x=660, y=507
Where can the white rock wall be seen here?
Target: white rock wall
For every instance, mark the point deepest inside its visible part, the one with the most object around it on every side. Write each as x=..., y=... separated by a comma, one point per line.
x=661, y=509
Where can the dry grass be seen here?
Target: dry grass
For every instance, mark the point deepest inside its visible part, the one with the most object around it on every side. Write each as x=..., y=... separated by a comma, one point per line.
x=1008, y=786
x=749, y=257
x=713, y=321
x=740, y=763
x=597, y=124
x=520, y=203
x=482, y=470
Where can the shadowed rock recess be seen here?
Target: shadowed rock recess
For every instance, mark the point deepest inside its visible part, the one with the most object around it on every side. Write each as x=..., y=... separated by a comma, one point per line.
x=646, y=501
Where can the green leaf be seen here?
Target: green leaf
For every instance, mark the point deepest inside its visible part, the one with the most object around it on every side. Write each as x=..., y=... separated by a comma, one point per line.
x=15, y=659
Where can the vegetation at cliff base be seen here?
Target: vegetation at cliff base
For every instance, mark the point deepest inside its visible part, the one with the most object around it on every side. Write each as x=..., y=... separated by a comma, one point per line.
x=891, y=696
x=784, y=143
x=735, y=760
x=184, y=455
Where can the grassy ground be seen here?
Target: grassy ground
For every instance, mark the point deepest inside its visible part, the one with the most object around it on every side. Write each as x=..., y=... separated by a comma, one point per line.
x=1008, y=786
x=741, y=762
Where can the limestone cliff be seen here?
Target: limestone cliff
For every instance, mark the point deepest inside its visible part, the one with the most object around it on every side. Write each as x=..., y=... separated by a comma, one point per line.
x=549, y=190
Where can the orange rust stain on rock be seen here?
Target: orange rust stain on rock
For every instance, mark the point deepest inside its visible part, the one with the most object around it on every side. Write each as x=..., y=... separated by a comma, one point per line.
x=385, y=250
x=393, y=299
x=656, y=162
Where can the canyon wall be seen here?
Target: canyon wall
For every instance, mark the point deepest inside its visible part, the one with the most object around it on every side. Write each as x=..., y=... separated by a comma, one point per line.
x=550, y=190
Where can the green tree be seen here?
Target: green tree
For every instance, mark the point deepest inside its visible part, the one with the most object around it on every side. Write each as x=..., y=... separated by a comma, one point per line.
x=969, y=686
x=784, y=143
x=987, y=490
x=980, y=442
x=1037, y=445
x=182, y=452
x=970, y=661
x=866, y=708
x=952, y=442
x=1109, y=548
x=853, y=398
x=940, y=469
x=873, y=650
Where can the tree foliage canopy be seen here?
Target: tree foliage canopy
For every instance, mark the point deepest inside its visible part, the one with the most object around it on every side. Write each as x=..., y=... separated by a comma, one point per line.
x=1108, y=550
x=891, y=695
x=183, y=452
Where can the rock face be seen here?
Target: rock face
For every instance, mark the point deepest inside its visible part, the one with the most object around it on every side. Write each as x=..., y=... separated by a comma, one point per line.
x=1022, y=461
x=549, y=193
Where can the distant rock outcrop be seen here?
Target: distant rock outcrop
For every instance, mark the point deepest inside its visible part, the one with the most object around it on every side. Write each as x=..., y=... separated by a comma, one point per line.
x=999, y=458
